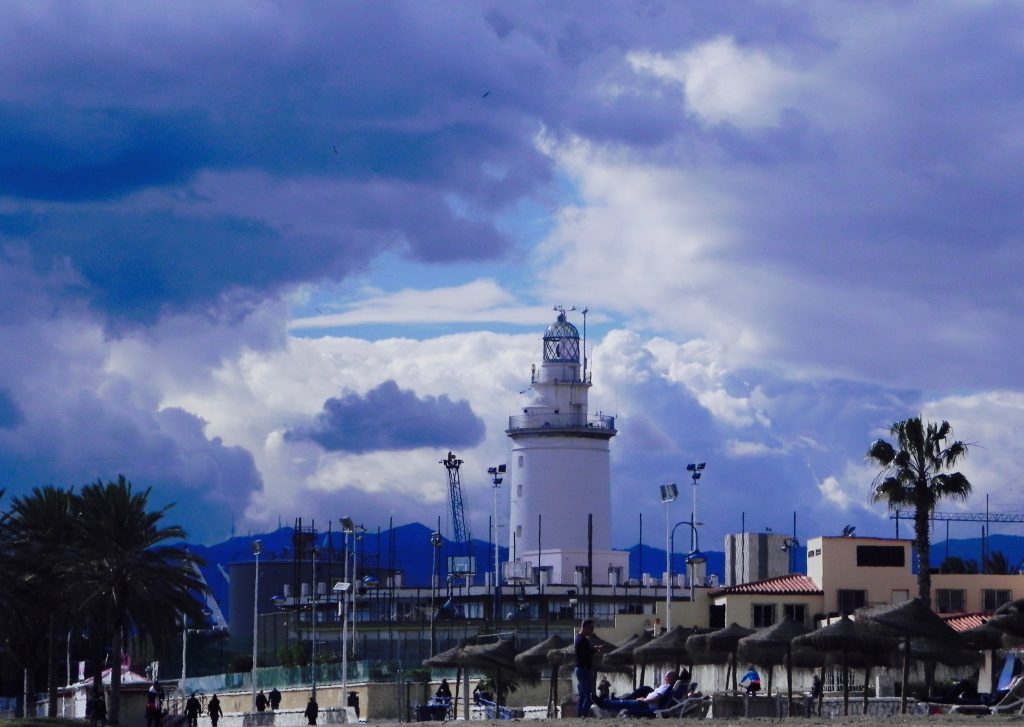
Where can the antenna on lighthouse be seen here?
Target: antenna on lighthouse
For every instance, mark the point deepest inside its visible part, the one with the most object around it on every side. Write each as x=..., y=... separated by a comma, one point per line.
x=585, y=311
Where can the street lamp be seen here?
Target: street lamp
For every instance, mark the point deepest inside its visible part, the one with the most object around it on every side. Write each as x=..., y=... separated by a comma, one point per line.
x=669, y=493
x=694, y=557
x=495, y=473
x=257, y=548
x=312, y=616
x=695, y=471
x=342, y=588
x=435, y=542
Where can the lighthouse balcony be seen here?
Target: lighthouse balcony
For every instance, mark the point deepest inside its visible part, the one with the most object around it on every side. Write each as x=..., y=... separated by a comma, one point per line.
x=594, y=423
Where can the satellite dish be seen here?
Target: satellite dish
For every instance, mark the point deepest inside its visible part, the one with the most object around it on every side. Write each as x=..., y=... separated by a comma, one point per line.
x=848, y=531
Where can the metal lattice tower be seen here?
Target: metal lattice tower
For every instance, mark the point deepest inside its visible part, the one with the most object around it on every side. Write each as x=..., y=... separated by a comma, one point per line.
x=460, y=534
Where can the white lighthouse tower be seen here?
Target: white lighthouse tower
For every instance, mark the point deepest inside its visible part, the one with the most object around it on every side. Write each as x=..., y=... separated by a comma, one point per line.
x=560, y=472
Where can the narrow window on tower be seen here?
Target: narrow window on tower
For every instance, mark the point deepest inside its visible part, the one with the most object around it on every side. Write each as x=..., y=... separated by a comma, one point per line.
x=519, y=490
x=520, y=460
x=519, y=531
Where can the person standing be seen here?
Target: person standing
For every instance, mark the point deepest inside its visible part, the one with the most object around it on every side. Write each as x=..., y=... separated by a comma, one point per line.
x=213, y=709
x=98, y=709
x=584, y=668
x=154, y=704
x=312, y=710
x=192, y=710
x=275, y=699
x=261, y=702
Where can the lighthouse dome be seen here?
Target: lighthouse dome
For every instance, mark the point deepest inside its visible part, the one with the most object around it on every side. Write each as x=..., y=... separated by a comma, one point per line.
x=561, y=342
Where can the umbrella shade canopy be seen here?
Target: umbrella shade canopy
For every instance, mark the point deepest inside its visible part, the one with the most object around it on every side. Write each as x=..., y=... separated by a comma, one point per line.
x=910, y=618
x=1009, y=618
x=728, y=638
x=940, y=651
x=447, y=659
x=536, y=657
x=986, y=638
x=488, y=657
x=699, y=650
x=623, y=653
x=847, y=635
x=769, y=646
x=669, y=648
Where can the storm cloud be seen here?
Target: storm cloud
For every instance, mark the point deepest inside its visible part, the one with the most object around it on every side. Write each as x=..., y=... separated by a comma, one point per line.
x=389, y=418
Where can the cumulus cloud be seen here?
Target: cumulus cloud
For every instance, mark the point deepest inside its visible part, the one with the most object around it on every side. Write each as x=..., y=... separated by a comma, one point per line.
x=389, y=418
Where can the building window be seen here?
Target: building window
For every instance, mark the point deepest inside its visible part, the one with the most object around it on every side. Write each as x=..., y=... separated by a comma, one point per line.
x=949, y=600
x=520, y=460
x=993, y=598
x=881, y=556
x=763, y=615
x=519, y=531
x=795, y=612
x=519, y=490
x=849, y=600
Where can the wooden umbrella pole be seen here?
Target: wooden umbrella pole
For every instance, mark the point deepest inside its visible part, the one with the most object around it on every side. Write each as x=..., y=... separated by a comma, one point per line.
x=846, y=686
x=789, y=679
x=906, y=675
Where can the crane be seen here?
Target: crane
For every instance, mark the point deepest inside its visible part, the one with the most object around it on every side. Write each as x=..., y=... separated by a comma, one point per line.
x=460, y=534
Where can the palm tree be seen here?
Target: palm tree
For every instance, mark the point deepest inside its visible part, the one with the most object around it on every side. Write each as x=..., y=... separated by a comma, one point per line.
x=913, y=475
x=39, y=538
x=132, y=570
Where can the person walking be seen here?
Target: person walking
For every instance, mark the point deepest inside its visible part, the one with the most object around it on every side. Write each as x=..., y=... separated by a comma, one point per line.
x=312, y=710
x=261, y=702
x=192, y=710
x=584, y=668
x=213, y=709
x=275, y=699
x=154, y=704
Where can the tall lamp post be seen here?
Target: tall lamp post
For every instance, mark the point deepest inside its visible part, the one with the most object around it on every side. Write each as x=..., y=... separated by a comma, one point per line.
x=694, y=557
x=669, y=493
x=257, y=548
x=435, y=543
x=312, y=618
x=342, y=589
x=695, y=472
x=496, y=478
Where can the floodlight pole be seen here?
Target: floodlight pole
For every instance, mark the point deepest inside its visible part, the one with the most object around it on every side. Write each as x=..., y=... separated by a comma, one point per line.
x=669, y=493
x=695, y=470
x=257, y=548
x=495, y=473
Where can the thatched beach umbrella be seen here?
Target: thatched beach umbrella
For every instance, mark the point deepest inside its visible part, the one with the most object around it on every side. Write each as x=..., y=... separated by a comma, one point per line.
x=771, y=646
x=669, y=648
x=985, y=638
x=1009, y=618
x=727, y=640
x=622, y=655
x=536, y=658
x=933, y=651
x=907, y=620
x=845, y=636
x=449, y=659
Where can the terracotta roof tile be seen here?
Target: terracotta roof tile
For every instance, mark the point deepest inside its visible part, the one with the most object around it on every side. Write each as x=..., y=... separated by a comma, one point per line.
x=966, y=621
x=792, y=584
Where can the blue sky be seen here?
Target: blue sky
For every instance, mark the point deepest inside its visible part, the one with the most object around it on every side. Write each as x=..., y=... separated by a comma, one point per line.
x=276, y=259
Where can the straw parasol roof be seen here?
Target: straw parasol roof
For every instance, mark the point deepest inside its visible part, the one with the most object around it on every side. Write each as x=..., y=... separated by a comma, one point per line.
x=845, y=637
x=985, y=638
x=448, y=659
x=669, y=648
x=771, y=646
x=932, y=650
x=499, y=655
x=536, y=657
x=908, y=620
x=1009, y=618
x=717, y=647
x=623, y=653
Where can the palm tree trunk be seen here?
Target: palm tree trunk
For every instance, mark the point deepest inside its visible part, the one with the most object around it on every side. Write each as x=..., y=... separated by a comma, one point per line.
x=29, y=687
x=51, y=668
x=115, y=674
x=922, y=544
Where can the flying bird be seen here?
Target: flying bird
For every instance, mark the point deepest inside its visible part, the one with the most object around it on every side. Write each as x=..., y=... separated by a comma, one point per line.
x=486, y=94
x=335, y=149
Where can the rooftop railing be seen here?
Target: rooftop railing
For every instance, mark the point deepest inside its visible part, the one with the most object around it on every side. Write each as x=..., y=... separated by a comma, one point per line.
x=562, y=422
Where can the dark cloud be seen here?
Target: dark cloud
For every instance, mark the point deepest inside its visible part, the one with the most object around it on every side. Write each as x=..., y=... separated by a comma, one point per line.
x=10, y=413
x=389, y=418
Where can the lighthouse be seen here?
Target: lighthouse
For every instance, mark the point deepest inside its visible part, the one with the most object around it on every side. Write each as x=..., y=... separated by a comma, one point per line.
x=560, y=471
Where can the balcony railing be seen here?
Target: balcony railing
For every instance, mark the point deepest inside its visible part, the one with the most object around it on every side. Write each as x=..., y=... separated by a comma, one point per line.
x=562, y=421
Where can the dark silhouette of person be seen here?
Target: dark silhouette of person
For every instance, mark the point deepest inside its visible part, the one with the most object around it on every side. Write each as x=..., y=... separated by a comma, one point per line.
x=154, y=704
x=98, y=709
x=275, y=699
x=261, y=702
x=192, y=710
x=444, y=691
x=353, y=702
x=213, y=709
x=312, y=710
